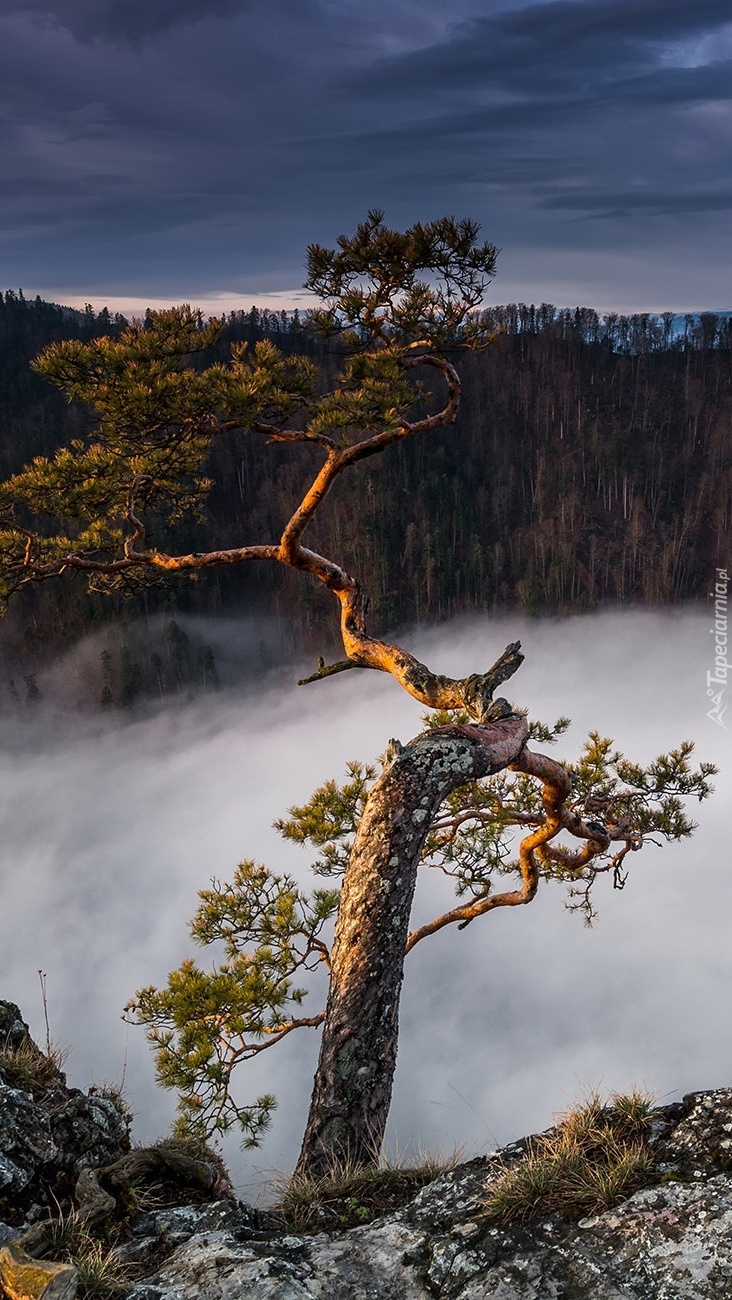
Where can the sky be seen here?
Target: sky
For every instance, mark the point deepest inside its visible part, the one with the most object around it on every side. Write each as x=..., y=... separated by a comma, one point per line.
x=159, y=152
x=112, y=827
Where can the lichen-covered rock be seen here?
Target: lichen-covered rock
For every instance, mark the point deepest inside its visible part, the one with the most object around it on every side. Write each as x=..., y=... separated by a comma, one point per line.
x=701, y=1139
x=13, y=1029
x=669, y=1241
x=26, y=1278
x=48, y=1132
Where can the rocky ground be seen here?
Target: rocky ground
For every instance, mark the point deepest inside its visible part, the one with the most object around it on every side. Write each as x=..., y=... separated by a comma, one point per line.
x=671, y=1240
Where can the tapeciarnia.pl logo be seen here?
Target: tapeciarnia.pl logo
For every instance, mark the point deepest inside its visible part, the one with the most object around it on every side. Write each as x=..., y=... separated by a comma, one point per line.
x=717, y=681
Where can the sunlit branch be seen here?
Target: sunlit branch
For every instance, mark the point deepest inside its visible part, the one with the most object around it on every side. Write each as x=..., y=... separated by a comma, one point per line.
x=406, y=429
x=489, y=817
x=362, y=649
x=534, y=848
x=316, y=946
x=275, y=1033
x=160, y=560
x=274, y=434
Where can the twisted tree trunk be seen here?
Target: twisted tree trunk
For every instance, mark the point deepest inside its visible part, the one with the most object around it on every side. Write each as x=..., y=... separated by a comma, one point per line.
x=353, y=1081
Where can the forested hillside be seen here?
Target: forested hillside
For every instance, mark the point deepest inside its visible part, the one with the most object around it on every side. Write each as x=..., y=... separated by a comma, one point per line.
x=591, y=463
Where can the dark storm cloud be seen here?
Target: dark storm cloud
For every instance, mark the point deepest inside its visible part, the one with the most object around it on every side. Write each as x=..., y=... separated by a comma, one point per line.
x=557, y=45
x=184, y=149
x=618, y=204
x=128, y=20
x=577, y=76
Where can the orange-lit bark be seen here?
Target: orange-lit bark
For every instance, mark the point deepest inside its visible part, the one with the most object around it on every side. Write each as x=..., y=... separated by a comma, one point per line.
x=353, y=1082
x=363, y=650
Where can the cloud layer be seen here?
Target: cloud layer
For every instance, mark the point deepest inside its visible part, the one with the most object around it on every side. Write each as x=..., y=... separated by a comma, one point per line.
x=110, y=830
x=172, y=150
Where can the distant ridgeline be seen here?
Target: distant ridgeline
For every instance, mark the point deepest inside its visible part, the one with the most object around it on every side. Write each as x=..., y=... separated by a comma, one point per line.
x=591, y=463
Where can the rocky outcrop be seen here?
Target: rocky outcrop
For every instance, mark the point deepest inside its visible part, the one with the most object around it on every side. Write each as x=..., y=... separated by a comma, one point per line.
x=669, y=1241
x=48, y=1132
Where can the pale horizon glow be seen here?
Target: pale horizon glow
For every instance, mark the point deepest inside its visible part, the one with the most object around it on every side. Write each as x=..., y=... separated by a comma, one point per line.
x=211, y=304
x=215, y=304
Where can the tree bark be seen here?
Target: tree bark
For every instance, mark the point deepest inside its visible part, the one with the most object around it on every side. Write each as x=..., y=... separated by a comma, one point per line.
x=353, y=1081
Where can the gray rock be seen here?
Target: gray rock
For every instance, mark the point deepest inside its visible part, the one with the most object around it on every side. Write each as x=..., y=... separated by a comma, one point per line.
x=48, y=1132
x=669, y=1241
x=13, y=1029
x=7, y=1233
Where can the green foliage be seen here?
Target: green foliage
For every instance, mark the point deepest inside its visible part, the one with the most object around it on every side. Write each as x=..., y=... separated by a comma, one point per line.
x=329, y=820
x=396, y=288
x=473, y=837
x=598, y=1155
x=629, y=505
x=548, y=735
x=110, y=504
x=637, y=804
x=155, y=408
x=373, y=397
x=204, y=1024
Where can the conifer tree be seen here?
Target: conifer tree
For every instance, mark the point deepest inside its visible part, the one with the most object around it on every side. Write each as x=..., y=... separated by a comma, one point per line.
x=109, y=507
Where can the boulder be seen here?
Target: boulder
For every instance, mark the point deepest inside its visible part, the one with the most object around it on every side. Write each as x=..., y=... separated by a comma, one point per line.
x=48, y=1132
x=671, y=1240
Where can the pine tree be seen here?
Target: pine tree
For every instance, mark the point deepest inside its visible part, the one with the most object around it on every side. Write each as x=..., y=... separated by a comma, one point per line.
x=396, y=307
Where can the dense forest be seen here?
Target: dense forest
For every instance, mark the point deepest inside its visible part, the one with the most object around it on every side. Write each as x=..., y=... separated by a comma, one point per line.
x=591, y=463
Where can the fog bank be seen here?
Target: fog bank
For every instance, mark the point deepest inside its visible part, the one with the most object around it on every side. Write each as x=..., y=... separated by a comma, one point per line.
x=110, y=828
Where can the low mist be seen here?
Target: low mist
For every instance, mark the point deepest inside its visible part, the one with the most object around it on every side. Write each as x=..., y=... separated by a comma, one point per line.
x=110, y=826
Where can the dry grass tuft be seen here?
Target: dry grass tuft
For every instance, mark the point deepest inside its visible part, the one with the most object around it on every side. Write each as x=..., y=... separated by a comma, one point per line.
x=26, y=1066
x=349, y=1195
x=100, y=1272
x=597, y=1155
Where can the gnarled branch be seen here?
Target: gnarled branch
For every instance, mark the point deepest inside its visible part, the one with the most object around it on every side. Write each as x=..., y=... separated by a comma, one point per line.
x=533, y=848
x=396, y=322
x=363, y=650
